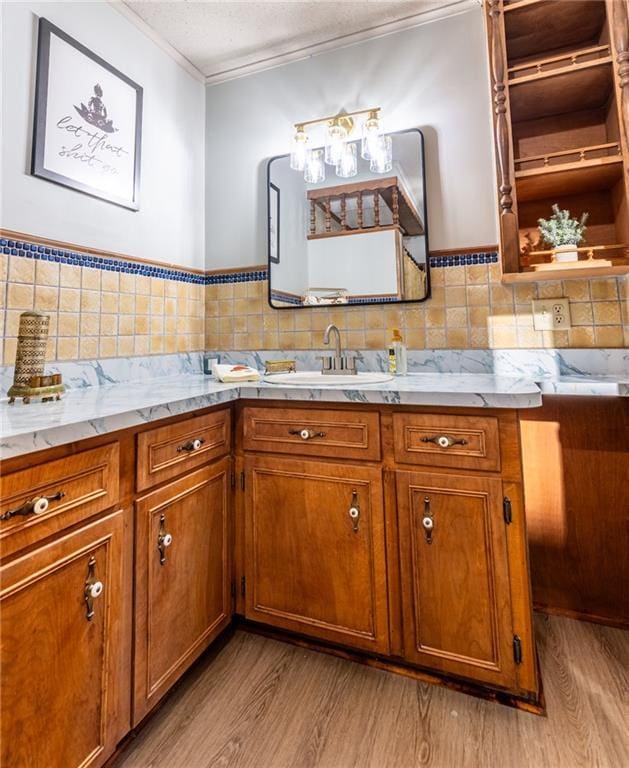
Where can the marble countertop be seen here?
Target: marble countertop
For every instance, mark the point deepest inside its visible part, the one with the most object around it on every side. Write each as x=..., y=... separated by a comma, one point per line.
x=86, y=412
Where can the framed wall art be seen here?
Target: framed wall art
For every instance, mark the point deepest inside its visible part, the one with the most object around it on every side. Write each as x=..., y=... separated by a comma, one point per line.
x=88, y=121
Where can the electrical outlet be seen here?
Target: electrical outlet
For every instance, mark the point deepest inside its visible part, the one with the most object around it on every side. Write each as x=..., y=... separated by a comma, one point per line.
x=551, y=314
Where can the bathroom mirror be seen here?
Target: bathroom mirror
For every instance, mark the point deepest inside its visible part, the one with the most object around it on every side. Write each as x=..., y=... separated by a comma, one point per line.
x=357, y=240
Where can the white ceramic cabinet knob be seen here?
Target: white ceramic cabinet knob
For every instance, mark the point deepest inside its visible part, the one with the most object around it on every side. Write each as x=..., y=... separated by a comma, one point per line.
x=95, y=590
x=40, y=505
x=196, y=444
x=427, y=523
x=304, y=434
x=354, y=512
x=166, y=539
x=443, y=441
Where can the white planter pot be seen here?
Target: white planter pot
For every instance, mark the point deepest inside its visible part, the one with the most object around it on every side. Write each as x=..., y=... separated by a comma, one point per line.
x=566, y=253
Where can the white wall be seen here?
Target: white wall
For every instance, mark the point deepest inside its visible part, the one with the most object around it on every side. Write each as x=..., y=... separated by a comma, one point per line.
x=169, y=227
x=434, y=77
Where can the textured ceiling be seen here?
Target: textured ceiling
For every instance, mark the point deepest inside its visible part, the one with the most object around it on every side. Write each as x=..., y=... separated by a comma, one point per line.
x=226, y=38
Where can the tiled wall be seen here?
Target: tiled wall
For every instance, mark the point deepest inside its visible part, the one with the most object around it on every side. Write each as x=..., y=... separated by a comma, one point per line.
x=102, y=308
x=469, y=307
x=97, y=312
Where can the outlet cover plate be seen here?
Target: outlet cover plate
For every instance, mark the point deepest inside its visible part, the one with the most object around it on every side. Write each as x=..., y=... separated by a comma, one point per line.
x=551, y=314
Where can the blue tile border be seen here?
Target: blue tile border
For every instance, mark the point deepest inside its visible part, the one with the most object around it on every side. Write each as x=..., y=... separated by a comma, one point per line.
x=32, y=250
x=464, y=259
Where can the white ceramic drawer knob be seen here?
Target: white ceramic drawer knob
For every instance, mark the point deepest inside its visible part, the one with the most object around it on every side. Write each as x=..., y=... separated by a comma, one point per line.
x=166, y=539
x=304, y=434
x=40, y=505
x=196, y=444
x=427, y=523
x=354, y=512
x=96, y=589
x=443, y=442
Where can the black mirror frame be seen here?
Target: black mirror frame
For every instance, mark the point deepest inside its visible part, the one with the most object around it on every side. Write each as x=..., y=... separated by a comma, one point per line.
x=362, y=303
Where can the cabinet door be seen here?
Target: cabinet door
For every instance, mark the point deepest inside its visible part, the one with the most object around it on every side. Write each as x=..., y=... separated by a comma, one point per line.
x=315, y=550
x=455, y=576
x=63, y=689
x=183, y=596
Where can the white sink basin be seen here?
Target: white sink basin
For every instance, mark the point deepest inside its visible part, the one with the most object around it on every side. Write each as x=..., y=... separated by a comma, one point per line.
x=317, y=379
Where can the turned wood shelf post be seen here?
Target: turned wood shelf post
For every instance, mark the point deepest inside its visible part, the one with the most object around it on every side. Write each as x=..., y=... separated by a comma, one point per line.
x=508, y=220
x=618, y=13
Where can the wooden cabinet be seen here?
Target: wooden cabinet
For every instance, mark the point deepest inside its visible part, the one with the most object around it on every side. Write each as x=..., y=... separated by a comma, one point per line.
x=183, y=578
x=455, y=576
x=560, y=97
x=65, y=686
x=315, y=550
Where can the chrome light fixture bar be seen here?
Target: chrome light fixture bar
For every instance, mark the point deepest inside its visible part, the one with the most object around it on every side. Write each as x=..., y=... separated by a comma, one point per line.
x=339, y=149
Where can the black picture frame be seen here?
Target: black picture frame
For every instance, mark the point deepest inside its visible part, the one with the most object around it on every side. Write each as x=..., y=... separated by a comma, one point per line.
x=38, y=156
x=274, y=235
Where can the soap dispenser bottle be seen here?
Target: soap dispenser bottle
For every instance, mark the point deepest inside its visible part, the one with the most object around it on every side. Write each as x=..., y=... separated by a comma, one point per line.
x=397, y=354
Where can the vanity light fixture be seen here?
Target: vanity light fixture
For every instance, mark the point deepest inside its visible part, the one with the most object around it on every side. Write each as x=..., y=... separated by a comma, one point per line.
x=339, y=147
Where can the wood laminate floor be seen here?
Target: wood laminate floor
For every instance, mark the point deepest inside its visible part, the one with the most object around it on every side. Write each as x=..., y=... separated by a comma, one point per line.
x=264, y=704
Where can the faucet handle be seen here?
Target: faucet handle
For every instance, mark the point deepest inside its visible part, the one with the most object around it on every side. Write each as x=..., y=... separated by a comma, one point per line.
x=349, y=363
x=326, y=362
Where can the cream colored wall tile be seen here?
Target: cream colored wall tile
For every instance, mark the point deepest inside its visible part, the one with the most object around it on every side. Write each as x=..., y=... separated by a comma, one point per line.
x=21, y=270
x=51, y=349
x=90, y=278
x=157, y=305
x=479, y=338
x=108, y=325
x=126, y=304
x=415, y=338
x=142, y=345
x=142, y=304
x=582, y=337
x=609, y=336
x=12, y=322
x=501, y=294
x=46, y=298
x=477, y=295
x=125, y=345
x=524, y=315
x=528, y=337
x=4, y=266
x=623, y=287
x=456, y=317
x=126, y=325
x=110, y=301
x=88, y=348
x=437, y=276
x=156, y=344
x=110, y=281
x=604, y=289
x=581, y=313
x=606, y=312
x=89, y=324
x=435, y=317
x=69, y=299
x=170, y=288
x=158, y=286
x=454, y=275
x=157, y=325
x=353, y=339
x=143, y=285
x=524, y=293
x=476, y=274
x=141, y=324
x=435, y=338
x=457, y=338
x=503, y=338
x=20, y=296
x=170, y=344
x=47, y=273
x=69, y=276
x=67, y=348
x=437, y=297
x=494, y=273
x=90, y=301
x=576, y=290
x=68, y=324
x=3, y=294
x=108, y=346
x=170, y=326
x=240, y=290
x=355, y=321
x=127, y=283
x=244, y=341
x=456, y=296
x=550, y=290
x=10, y=348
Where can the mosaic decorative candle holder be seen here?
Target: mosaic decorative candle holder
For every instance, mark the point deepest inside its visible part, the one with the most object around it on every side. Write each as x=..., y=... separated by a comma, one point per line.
x=29, y=379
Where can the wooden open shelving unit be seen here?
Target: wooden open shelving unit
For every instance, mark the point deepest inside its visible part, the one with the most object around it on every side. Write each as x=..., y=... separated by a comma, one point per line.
x=560, y=88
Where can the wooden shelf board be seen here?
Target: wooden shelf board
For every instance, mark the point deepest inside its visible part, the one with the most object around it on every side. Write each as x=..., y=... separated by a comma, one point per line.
x=585, y=176
x=564, y=274
x=581, y=87
x=533, y=27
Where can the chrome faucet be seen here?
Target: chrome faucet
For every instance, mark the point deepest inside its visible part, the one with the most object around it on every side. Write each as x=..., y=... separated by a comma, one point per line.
x=337, y=363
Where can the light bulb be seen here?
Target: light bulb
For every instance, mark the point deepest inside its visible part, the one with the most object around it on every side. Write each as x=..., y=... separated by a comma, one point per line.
x=314, y=171
x=348, y=164
x=382, y=160
x=299, y=149
x=372, y=134
x=334, y=142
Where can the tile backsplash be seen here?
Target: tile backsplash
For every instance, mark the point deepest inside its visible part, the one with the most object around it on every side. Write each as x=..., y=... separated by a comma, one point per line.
x=106, y=307
x=469, y=308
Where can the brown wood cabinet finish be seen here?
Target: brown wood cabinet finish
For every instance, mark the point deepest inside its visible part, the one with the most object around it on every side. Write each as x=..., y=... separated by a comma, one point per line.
x=312, y=564
x=88, y=481
x=183, y=596
x=167, y=452
x=337, y=433
x=455, y=576
x=441, y=440
x=63, y=676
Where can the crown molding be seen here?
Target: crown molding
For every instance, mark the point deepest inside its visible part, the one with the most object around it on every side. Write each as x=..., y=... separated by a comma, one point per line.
x=452, y=8
x=168, y=49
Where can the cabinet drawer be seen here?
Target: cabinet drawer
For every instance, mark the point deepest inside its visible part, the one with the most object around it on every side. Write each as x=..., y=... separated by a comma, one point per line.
x=464, y=442
x=336, y=433
x=166, y=452
x=60, y=493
